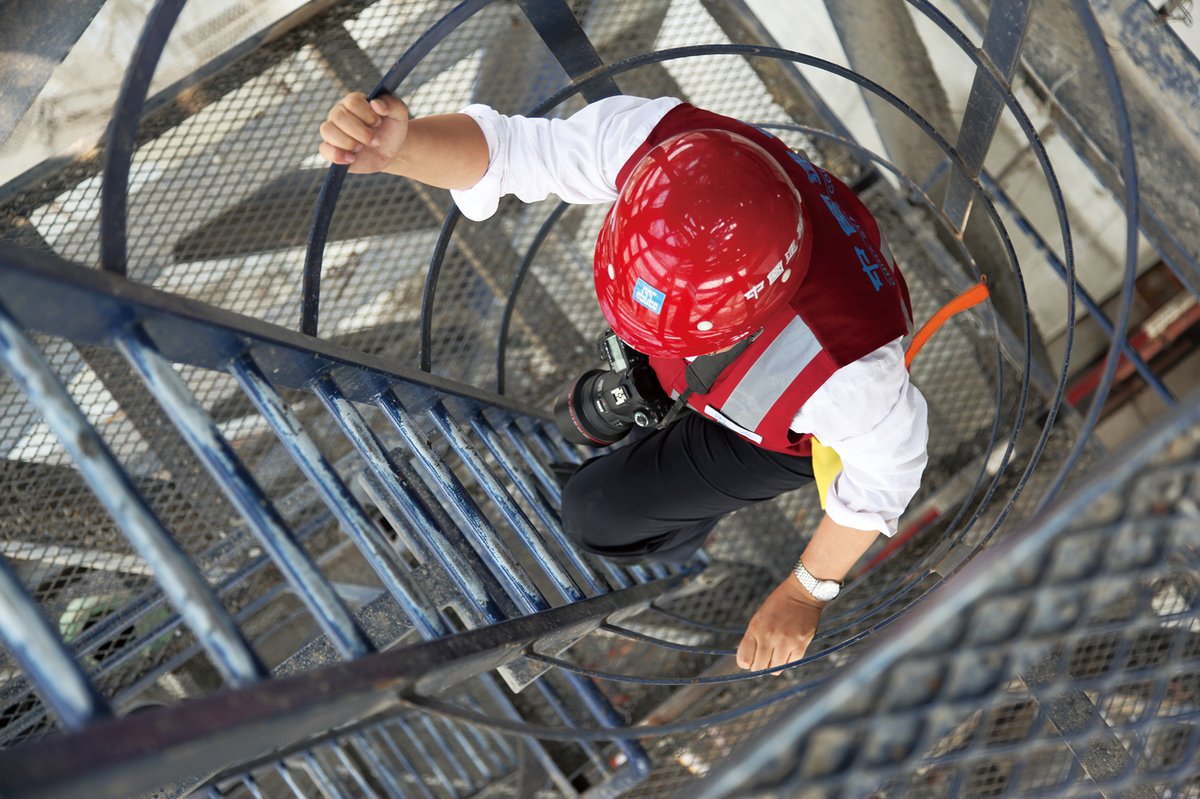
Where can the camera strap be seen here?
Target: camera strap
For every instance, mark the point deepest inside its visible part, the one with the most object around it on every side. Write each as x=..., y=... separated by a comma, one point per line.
x=701, y=374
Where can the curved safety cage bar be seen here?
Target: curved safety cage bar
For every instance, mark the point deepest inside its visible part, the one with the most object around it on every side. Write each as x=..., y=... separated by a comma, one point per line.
x=990, y=72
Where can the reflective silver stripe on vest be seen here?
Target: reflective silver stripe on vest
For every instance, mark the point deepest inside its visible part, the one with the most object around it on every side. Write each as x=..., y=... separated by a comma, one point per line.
x=725, y=421
x=770, y=376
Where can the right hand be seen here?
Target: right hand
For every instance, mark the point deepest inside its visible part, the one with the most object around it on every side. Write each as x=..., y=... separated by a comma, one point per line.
x=367, y=136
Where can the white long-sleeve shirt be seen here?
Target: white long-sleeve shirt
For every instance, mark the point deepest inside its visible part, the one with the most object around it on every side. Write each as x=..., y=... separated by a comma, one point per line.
x=868, y=411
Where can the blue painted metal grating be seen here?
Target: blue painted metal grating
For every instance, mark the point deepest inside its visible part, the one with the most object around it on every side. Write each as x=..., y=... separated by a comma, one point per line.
x=422, y=476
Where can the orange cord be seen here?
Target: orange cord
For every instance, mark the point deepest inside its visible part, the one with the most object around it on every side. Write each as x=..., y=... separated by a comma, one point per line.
x=968, y=299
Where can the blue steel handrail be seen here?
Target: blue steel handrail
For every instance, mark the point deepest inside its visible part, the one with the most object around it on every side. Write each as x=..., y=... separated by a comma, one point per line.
x=193, y=332
x=180, y=580
x=53, y=288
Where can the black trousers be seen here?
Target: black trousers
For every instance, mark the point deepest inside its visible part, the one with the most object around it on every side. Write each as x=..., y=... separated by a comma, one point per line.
x=659, y=497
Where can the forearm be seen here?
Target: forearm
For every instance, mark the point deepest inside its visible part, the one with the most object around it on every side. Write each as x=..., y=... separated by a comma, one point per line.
x=834, y=549
x=448, y=151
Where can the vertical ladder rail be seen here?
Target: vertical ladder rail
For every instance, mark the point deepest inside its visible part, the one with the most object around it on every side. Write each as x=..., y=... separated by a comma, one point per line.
x=1007, y=23
x=33, y=642
x=520, y=524
x=380, y=769
x=176, y=575
x=487, y=434
x=475, y=524
x=375, y=548
x=430, y=543
x=236, y=482
x=516, y=438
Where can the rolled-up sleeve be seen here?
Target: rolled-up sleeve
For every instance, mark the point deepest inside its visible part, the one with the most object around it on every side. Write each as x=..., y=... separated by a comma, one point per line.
x=577, y=158
x=877, y=422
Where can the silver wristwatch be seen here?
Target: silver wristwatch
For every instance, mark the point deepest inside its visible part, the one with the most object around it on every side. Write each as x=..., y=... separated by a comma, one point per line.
x=824, y=590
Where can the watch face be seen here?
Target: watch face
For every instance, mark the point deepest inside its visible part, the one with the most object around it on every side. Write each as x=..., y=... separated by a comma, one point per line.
x=826, y=590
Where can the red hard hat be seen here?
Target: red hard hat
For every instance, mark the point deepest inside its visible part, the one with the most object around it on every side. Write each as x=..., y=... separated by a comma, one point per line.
x=706, y=241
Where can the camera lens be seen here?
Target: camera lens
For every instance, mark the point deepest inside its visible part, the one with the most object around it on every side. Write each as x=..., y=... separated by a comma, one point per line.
x=582, y=417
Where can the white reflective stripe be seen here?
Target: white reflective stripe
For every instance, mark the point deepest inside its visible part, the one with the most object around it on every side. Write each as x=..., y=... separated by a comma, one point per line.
x=725, y=421
x=775, y=370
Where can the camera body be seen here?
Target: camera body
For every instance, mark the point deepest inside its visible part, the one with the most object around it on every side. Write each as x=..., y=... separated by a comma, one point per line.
x=602, y=406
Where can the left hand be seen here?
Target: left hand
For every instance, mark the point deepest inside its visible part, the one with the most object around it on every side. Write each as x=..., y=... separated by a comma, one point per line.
x=781, y=628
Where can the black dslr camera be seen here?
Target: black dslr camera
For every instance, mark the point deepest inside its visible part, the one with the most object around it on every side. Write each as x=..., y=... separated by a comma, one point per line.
x=602, y=406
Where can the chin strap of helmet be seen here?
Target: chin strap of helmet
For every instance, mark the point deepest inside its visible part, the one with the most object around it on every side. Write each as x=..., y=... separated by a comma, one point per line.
x=701, y=373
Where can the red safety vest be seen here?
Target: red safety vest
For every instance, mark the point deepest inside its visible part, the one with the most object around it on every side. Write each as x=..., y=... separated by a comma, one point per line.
x=852, y=301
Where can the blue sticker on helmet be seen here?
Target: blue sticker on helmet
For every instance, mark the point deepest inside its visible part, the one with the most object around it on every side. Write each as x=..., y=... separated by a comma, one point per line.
x=646, y=295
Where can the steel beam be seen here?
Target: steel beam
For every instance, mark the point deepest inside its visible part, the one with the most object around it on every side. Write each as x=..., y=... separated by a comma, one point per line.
x=556, y=24
x=1007, y=22
x=1160, y=79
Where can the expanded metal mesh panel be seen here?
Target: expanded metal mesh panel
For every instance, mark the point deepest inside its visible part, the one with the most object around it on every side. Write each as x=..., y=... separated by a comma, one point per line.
x=1070, y=668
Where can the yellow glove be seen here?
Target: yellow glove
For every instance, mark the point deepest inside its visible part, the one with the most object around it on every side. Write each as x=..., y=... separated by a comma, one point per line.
x=826, y=465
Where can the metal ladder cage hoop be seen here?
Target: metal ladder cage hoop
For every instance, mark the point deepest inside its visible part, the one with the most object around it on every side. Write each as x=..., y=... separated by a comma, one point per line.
x=989, y=70
x=336, y=174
